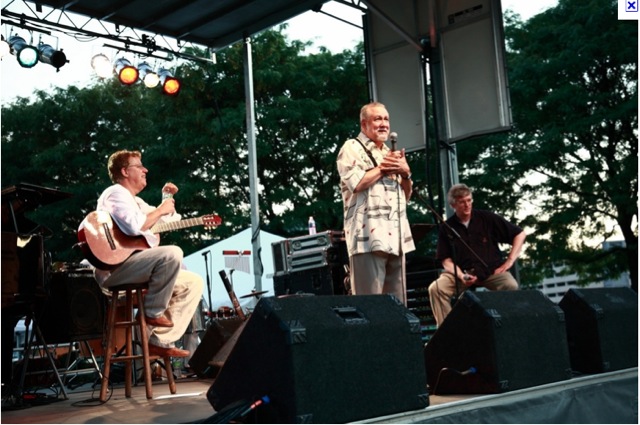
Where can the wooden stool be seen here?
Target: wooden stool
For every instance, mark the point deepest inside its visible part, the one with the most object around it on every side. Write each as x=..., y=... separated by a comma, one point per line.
x=129, y=323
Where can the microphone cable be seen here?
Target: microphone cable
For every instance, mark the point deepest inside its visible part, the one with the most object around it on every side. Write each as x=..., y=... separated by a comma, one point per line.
x=471, y=371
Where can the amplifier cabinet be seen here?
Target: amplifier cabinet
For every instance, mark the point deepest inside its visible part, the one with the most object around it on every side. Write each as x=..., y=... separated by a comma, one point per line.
x=319, y=240
x=311, y=259
x=280, y=250
x=320, y=281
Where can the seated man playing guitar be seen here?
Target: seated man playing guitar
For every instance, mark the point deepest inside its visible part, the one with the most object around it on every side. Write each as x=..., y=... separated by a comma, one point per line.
x=173, y=293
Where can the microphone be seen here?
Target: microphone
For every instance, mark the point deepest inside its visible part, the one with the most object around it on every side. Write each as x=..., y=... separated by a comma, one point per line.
x=394, y=139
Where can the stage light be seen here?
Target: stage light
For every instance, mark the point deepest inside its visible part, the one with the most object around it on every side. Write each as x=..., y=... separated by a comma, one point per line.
x=53, y=57
x=5, y=49
x=101, y=65
x=127, y=73
x=148, y=76
x=27, y=55
x=170, y=85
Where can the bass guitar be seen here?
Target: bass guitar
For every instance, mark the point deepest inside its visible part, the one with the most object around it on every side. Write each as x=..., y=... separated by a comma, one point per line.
x=106, y=246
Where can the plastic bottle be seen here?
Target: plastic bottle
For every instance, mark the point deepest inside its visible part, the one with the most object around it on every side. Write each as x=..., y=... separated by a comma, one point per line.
x=312, y=226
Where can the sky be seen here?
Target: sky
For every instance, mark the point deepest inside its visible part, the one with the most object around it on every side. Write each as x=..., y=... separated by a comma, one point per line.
x=321, y=29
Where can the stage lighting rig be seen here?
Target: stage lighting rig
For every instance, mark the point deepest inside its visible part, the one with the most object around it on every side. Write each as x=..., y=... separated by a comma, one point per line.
x=53, y=57
x=170, y=85
x=127, y=73
x=102, y=65
x=27, y=54
x=148, y=76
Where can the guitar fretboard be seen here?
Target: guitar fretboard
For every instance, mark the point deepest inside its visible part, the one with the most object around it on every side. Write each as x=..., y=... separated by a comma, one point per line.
x=177, y=225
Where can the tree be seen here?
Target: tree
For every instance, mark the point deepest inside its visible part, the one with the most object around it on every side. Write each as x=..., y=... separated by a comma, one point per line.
x=307, y=105
x=571, y=161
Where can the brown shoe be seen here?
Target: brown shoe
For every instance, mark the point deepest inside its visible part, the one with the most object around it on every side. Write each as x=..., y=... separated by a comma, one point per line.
x=154, y=350
x=161, y=322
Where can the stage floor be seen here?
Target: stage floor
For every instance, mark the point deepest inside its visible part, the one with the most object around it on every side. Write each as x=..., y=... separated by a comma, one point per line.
x=188, y=405
x=604, y=398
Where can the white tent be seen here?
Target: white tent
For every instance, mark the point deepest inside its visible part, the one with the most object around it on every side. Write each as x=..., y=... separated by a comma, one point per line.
x=234, y=255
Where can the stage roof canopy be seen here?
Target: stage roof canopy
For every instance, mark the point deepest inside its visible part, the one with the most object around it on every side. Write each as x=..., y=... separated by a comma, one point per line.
x=215, y=24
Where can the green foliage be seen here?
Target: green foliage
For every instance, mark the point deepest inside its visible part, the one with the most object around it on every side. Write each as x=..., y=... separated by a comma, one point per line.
x=571, y=162
x=566, y=172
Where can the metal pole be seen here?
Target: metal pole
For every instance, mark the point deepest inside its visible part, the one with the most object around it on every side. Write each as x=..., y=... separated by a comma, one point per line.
x=253, y=166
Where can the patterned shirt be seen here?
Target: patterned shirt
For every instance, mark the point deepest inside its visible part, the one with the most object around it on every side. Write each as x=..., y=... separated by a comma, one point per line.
x=375, y=219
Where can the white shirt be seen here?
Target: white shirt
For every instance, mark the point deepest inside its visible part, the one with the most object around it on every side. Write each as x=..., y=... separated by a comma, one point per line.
x=129, y=213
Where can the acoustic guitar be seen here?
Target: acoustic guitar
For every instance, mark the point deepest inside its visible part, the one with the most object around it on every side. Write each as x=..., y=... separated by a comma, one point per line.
x=106, y=246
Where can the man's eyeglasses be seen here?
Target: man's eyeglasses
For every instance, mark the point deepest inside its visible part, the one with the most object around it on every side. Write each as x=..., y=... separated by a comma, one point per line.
x=136, y=166
x=464, y=201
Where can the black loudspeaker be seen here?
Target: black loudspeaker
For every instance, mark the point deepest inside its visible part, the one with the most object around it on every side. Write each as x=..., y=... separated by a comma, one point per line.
x=326, y=359
x=74, y=309
x=469, y=69
x=602, y=328
x=217, y=335
x=492, y=342
x=318, y=281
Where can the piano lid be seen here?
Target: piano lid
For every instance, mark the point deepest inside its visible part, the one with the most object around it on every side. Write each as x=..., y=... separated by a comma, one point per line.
x=27, y=197
x=22, y=198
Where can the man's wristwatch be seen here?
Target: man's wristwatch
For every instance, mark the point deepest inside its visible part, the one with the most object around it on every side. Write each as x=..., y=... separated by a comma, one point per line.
x=408, y=177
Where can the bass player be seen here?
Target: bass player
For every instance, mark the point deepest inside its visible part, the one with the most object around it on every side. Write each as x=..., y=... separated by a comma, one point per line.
x=173, y=293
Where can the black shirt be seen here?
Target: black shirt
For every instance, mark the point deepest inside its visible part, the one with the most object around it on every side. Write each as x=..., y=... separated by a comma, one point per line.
x=484, y=232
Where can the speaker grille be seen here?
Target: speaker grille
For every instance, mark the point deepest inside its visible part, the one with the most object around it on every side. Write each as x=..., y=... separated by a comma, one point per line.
x=326, y=359
x=74, y=309
x=493, y=342
x=602, y=328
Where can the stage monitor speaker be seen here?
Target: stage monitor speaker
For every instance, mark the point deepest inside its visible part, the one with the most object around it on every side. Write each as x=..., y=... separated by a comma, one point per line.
x=326, y=359
x=74, y=309
x=602, y=328
x=218, y=334
x=498, y=341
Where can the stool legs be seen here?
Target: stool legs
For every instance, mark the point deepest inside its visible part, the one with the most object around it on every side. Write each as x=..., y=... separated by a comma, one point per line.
x=145, y=351
x=104, y=387
x=144, y=342
x=129, y=357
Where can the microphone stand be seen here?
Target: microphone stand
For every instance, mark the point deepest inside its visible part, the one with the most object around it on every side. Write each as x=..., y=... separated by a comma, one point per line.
x=452, y=232
x=399, y=192
x=206, y=267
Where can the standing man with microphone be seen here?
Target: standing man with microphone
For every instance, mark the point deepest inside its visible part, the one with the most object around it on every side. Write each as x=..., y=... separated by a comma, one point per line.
x=375, y=182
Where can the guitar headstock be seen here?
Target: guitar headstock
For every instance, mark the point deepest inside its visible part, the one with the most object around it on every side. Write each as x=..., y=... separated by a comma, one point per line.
x=211, y=221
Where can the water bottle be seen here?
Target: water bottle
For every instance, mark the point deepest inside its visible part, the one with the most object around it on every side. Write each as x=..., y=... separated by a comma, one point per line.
x=312, y=226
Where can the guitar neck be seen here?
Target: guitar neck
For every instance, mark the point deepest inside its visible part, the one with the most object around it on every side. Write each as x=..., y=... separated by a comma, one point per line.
x=177, y=225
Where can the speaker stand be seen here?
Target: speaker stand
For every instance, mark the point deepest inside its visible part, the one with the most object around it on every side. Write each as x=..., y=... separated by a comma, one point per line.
x=71, y=369
x=27, y=353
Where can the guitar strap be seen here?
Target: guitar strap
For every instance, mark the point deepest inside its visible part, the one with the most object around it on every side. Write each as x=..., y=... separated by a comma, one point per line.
x=375, y=163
